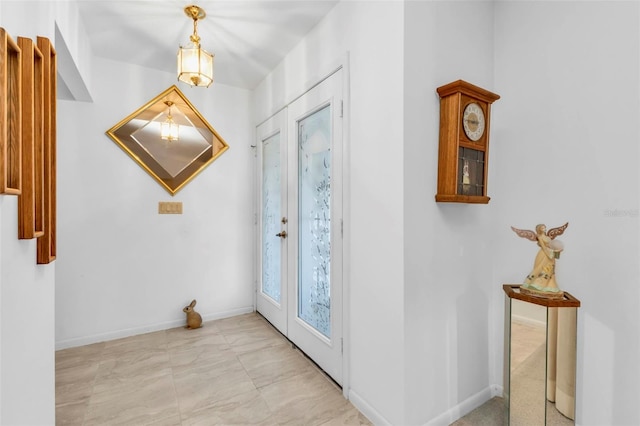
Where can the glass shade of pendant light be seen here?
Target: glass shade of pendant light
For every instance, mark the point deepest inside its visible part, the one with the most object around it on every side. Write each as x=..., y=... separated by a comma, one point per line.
x=195, y=65
x=169, y=130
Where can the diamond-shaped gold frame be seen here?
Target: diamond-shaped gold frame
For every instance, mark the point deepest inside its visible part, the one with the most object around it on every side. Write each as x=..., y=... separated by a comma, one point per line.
x=171, y=163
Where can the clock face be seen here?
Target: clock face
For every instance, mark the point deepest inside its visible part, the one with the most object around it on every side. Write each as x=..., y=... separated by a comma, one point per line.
x=473, y=121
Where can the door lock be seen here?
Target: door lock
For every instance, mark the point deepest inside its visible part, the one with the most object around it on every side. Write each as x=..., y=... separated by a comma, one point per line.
x=282, y=234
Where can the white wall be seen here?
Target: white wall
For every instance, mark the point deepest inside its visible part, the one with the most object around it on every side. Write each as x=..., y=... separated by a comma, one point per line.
x=27, y=317
x=124, y=269
x=566, y=149
x=448, y=276
x=27, y=290
x=73, y=51
x=372, y=33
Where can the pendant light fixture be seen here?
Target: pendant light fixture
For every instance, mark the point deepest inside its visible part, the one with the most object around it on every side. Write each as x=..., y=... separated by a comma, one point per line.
x=195, y=65
x=169, y=130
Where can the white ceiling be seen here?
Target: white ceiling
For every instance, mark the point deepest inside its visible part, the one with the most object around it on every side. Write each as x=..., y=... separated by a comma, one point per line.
x=248, y=38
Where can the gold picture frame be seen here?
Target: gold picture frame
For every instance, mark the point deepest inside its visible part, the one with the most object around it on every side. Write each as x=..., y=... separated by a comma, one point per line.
x=175, y=161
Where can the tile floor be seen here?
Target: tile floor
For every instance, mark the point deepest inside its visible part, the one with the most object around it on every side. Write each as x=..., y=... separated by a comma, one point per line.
x=527, y=339
x=233, y=371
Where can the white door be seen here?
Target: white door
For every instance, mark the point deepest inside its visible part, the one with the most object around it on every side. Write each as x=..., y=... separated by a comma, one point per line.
x=272, y=292
x=308, y=309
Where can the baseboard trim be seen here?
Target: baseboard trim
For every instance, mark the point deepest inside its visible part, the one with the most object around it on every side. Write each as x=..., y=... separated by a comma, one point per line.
x=226, y=314
x=104, y=337
x=529, y=321
x=466, y=406
x=369, y=412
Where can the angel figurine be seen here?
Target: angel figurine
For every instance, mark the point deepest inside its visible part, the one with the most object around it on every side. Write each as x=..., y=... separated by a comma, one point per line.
x=542, y=279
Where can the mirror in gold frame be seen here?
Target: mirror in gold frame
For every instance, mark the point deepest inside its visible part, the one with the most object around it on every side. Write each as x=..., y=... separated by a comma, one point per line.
x=172, y=161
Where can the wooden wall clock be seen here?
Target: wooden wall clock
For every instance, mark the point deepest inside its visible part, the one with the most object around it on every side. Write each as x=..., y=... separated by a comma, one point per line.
x=465, y=112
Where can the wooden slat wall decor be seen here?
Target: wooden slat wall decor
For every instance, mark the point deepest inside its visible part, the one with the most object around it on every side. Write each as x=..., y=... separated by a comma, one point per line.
x=10, y=115
x=28, y=108
x=47, y=242
x=30, y=201
x=39, y=72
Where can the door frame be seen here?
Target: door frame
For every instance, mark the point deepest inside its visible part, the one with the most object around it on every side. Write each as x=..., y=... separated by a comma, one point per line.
x=341, y=63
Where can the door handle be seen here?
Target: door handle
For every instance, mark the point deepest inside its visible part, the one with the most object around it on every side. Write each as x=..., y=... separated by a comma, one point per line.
x=282, y=234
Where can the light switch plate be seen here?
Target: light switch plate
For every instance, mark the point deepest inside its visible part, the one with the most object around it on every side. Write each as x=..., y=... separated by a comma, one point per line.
x=170, y=207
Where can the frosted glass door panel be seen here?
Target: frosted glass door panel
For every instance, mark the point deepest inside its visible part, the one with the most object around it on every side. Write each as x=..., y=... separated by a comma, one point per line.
x=272, y=251
x=271, y=213
x=314, y=215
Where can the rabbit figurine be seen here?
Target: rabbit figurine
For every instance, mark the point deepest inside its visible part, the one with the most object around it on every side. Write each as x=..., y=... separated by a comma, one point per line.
x=194, y=320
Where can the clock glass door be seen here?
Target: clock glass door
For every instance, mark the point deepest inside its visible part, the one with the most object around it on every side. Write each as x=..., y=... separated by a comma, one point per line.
x=470, y=171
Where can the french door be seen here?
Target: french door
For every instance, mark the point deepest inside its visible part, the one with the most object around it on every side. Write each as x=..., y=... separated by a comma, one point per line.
x=300, y=222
